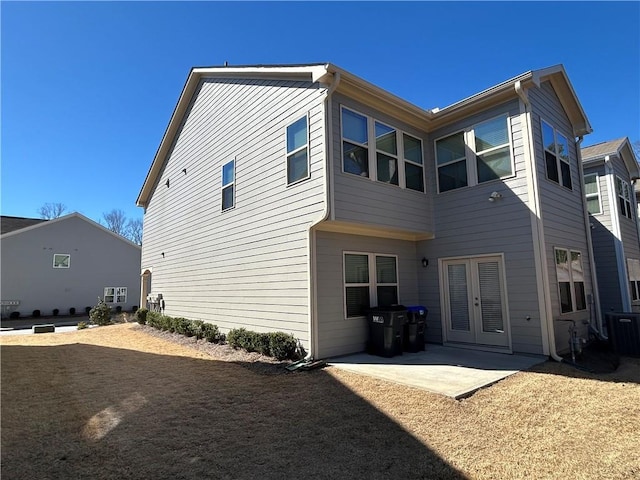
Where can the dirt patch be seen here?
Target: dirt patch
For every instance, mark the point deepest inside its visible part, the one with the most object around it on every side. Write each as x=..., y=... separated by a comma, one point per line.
x=119, y=402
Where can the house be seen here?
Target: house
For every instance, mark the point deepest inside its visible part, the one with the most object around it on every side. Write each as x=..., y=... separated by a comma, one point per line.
x=66, y=263
x=610, y=174
x=295, y=197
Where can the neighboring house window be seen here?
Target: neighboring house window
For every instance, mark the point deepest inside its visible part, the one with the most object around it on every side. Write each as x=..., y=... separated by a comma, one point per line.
x=369, y=280
x=396, y=157
x=570, y=280
x=298, y=150
x=624, y=197
x=556, y=155
x=115, y=295
x=633, y=269
x=61, y=260
x=228, y=185
x=592, y=193
x=480, y=154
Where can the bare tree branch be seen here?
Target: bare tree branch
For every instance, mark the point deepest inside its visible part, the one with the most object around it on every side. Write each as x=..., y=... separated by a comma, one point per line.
x=49, y=211
x=134, y=230
x=116, y=221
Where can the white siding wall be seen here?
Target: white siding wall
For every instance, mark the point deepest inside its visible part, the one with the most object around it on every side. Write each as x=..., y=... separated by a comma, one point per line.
x=247, y=266
x=338, y=335
x=467, y=224
x=360, y=200
x=561, y=208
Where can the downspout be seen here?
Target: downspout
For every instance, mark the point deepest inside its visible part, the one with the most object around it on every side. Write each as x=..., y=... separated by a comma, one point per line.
x=592, y=262
x=313, y=287
x=546, y=323
x=617, y=233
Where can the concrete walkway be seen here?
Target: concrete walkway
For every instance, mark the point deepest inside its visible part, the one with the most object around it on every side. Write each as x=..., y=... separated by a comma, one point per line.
x=455, y=372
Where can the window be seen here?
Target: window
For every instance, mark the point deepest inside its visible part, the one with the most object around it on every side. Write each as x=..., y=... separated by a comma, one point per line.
x=228, y=182
x=556, y=155
x=633, y=270
x=61, y=260
x=480, y=154
x=570, y=280
x=396, y=156
x=624, y=197
x=298, y=151
x=115, y=295
x=361, y=289
x=592, y=193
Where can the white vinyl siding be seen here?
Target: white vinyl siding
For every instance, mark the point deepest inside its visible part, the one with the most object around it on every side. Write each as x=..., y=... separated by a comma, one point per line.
x=479, y=154
x=592, y=193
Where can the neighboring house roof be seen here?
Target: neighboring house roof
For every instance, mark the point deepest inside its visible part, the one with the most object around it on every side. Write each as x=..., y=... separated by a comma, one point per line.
x=10, y=224
x=355, y=87
x=44, y=223
x=620, y=148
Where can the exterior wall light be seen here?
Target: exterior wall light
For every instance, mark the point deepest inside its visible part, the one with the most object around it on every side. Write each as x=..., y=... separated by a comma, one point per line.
x=425, y=262
x=494, y=196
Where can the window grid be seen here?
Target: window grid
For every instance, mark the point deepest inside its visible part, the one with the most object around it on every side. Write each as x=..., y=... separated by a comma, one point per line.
x=570, y=276
x=381, y=283
x=624, y=198
x=557, y=158
x=115, y=295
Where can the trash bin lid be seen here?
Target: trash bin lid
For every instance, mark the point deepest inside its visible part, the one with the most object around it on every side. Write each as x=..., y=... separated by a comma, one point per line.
x=417, y=308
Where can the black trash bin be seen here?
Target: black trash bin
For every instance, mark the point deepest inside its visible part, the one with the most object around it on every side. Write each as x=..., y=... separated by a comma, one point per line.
x=413, y=338
x=386, y=326
x=623, y=330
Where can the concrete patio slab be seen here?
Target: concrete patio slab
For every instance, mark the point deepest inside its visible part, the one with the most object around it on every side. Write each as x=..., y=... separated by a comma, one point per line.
x=455, y=372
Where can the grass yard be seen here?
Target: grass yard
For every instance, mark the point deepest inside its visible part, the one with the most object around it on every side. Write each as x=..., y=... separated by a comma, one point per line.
x=118, y=403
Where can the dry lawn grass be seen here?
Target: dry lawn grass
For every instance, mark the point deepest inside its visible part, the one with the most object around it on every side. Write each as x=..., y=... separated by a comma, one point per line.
x=116, y=403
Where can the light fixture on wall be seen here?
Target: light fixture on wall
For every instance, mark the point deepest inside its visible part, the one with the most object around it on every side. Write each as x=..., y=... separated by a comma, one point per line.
x=167, y=184
x=425, y=262
x=184, y=170
x=494, y=196
x=162, y=254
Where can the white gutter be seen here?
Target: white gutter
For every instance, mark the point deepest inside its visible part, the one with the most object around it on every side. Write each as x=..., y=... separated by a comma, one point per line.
x=617, y=233
x=313, y=284
x=587, y=226
x=539, y=251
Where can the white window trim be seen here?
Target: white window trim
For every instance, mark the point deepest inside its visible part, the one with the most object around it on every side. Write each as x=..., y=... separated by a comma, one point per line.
x=556, y=154
x=589, y=196
x=232, y=183
x=469, y=139
x=372, y=284
x=626, y=199
x=572, y=288
x=372, y=150
x=289, y=154
x=68, y=265
x=116, y=293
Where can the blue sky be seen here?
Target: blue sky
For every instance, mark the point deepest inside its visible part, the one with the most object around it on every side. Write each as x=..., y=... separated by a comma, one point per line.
x=88, y=88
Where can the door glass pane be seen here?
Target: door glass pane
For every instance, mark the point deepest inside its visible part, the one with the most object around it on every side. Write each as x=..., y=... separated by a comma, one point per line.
x=386, y=139
x=386, y=270
x=356, y=268
x=490, y=297
x=357, y=301
x=354, y=126
x=458, y=297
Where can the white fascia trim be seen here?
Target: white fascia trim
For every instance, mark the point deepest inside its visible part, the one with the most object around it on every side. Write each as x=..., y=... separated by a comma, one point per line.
x=314, y=72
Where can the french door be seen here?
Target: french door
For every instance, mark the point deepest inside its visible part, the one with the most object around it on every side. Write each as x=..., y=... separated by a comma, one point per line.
x=474, y=307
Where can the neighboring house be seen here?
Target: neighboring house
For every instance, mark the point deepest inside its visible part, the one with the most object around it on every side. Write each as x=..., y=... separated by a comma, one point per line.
x=66, y=263
x=295, y=197
x=610, y=174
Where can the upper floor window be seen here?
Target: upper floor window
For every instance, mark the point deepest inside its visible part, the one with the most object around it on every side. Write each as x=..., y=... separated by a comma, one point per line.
x=298, y=150
x=61, y=260
x=556, y=155
x=570, y=280
x=228, y=185
x=477, y=155
x=624, y=198
x=396, y=156
x=592, y=193
x=633, y=269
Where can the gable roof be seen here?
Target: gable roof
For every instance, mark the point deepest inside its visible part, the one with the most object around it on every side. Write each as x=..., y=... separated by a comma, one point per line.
x=329, y=75
x=45, y=223
x=10, y=224
x=620, y=148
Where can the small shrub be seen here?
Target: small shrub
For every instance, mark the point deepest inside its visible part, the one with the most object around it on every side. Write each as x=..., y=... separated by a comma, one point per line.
x=82, y=325
x=212, y=333
x=182, y=326
x=14, y=315
x=55, y=312
x=262, y=343
x=35, y=314
x=197, y=328
x=72, y=311
x=134, y=309
x=282, y=345
x=101, y=313
x=153, y=319
x=141, y=316
x=236, y=337
x=87, y=310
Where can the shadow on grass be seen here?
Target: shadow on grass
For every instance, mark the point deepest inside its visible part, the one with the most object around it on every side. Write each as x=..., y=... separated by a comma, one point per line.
x=83, y=411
